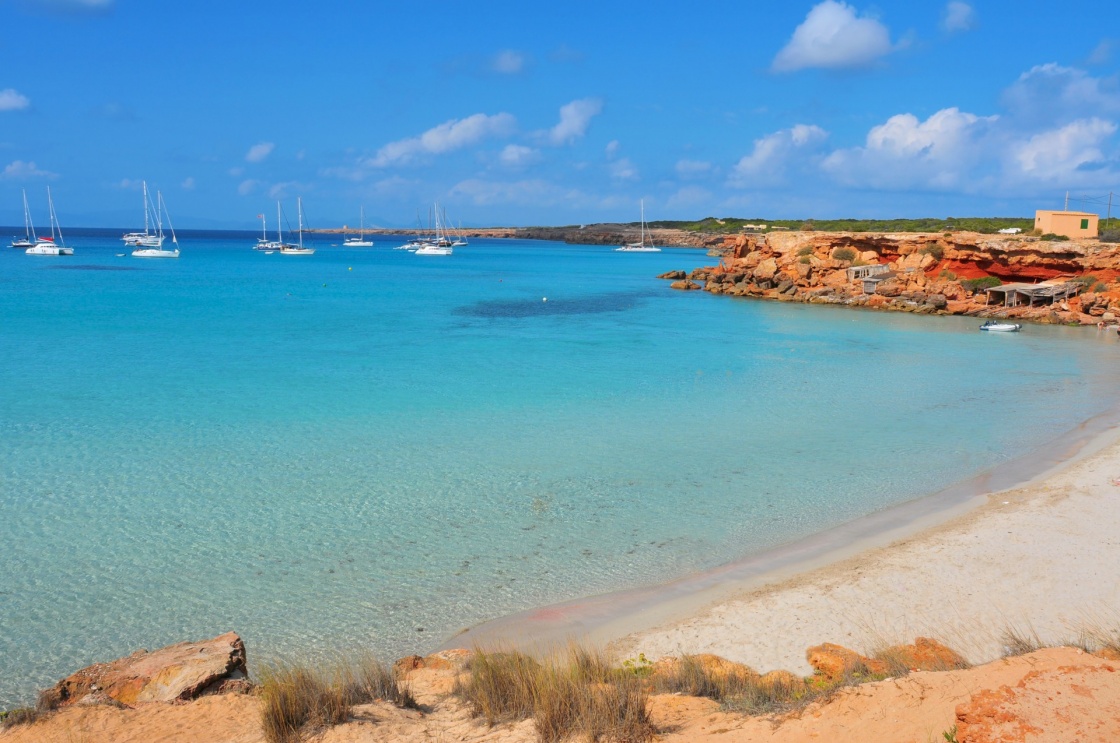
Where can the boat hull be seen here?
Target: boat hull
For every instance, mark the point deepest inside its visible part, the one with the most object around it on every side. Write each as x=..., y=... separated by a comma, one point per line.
x=49, y=250
x=154, y=253
x=357, y=244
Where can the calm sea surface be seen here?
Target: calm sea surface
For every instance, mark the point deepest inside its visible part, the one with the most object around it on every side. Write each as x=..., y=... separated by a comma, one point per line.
x=365, y=448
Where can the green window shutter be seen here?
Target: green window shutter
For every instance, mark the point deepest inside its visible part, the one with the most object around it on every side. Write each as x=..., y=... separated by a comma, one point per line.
x=1084, y=224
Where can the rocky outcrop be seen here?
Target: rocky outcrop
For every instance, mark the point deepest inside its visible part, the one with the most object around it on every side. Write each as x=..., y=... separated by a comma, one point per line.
x=178, y=672
x=928, y=273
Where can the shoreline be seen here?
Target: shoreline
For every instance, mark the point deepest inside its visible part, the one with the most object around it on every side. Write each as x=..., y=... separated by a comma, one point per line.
x=690, y=614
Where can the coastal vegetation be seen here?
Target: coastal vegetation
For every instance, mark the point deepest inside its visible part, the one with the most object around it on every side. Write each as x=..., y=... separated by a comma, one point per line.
x=731, y=225
x=298, y=699
x=576, y=693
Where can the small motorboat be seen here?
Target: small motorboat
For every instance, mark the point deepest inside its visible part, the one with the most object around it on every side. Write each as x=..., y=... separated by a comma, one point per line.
x=1001, y=327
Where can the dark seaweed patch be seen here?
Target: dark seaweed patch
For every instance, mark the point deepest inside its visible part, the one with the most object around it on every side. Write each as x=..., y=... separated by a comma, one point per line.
x=595, y=304
x=90, y=267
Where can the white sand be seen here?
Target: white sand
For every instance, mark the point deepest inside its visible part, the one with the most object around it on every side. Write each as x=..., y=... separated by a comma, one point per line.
x=1043, y=558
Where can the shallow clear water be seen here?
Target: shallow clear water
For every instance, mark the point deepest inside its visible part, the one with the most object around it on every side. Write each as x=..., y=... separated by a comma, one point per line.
x=370, y=449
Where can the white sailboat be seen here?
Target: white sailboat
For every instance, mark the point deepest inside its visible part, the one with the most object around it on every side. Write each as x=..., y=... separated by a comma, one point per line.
x=360, y=241
x=641, y=246
x=439, y=243
x=147, y=238
x=53, y=245
x=286, y=249
x=152, y=247
x=23, y=243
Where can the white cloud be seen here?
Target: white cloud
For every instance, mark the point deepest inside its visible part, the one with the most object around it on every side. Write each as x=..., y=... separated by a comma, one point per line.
x=188, y=183
x=773, y=154
x=575, y=118
x=833, y=36
x=247, y=187
x=281, y=190
x=258, y=152
x=448, y=136
x=65, y=7
x=20, y=170
x=938, y=153
x=612, y=148
x=693, y=168
x=516, y=155
x=508, y=62
x=130, y=184
x=689, y=196
x=624, y=170
x=236, y=172
x=1053, y=93
x=12, y=100
x=1066, y=155
x=1102, y=53
x=958, y=16
x=536, y=192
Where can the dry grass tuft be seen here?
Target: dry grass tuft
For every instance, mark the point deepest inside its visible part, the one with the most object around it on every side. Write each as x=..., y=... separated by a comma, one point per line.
x=298, y=699
x=1018, y=641
x=578, y=693
x=48, y=701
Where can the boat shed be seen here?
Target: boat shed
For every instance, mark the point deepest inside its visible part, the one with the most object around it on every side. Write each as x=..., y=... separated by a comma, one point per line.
x=862, y=272
x=1048, y=292
x=870, y=283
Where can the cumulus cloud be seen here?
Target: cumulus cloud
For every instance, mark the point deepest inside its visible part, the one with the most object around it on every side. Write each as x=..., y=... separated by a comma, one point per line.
x=258, y=152
x=833, y=36
x=533, y=191
x=575, y=118
x=188, y=183
x=12, y=100
x=1068, y=154
x=516, y=155
x=448, y=136
x=938, y=153
x=1053, y=93
x=247, y=187
x=773, y=154
x=1102, y=53
x=624, y=170
x=958, y=17
x=693, y=168
x=508, y=62
x=612, y=148
x=67, y=7
x=21, y=170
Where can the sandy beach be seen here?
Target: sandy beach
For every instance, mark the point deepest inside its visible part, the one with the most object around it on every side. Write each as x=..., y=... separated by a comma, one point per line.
x=1042, y=558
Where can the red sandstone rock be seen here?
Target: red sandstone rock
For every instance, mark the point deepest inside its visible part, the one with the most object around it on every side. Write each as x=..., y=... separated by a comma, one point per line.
x=177, y=672
x=684, y=284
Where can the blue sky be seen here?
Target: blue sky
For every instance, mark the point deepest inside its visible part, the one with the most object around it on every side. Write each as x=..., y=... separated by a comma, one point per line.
x=566, y=113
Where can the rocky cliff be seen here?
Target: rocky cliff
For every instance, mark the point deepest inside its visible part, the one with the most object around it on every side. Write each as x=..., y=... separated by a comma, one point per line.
x=931, y=272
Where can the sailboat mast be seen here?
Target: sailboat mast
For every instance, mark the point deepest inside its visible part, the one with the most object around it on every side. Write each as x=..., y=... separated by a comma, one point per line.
x=264, y=229
x=361, y=223
x=145, y=184
x=159, y=216
x=54, y=219
x=299, y=208
x=279, y=235
x=27, y=225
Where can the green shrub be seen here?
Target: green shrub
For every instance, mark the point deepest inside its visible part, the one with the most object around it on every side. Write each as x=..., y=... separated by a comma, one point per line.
x=974, y=285
x=844, y=254
x=805, y=259
x=1110, y=236
x=805, y=250
x=1085, y=281
x=808, y=226
x=1100, y=287
x=937, y=251
x=1051, y=237
x=947, y=275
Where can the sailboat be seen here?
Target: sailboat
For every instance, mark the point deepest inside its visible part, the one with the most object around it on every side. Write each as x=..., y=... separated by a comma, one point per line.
x=360, y=241
x=152, y=247
x=641, y=246
x=48, y=245
x=23, y=243
x=263, y=243
x=286, y=249
x=439, y=243
x=146, y=238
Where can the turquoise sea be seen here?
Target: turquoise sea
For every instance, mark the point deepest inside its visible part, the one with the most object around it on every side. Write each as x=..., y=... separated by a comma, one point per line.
x=365, y=448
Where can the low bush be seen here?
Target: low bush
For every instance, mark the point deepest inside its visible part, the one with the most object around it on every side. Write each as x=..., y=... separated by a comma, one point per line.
x=947, y=275
x=1100, y=287
x=298, y=699
x=1085, y=281
x=1110, y=236
x=805, y=259
x=805, y=250
x=986, y=282
x=577, y=694
x=1052, y=237
x=937, y=251
x=844, y=254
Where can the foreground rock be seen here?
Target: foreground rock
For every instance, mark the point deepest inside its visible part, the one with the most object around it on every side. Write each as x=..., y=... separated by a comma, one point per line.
x=1057, y=695
x=178, y=672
